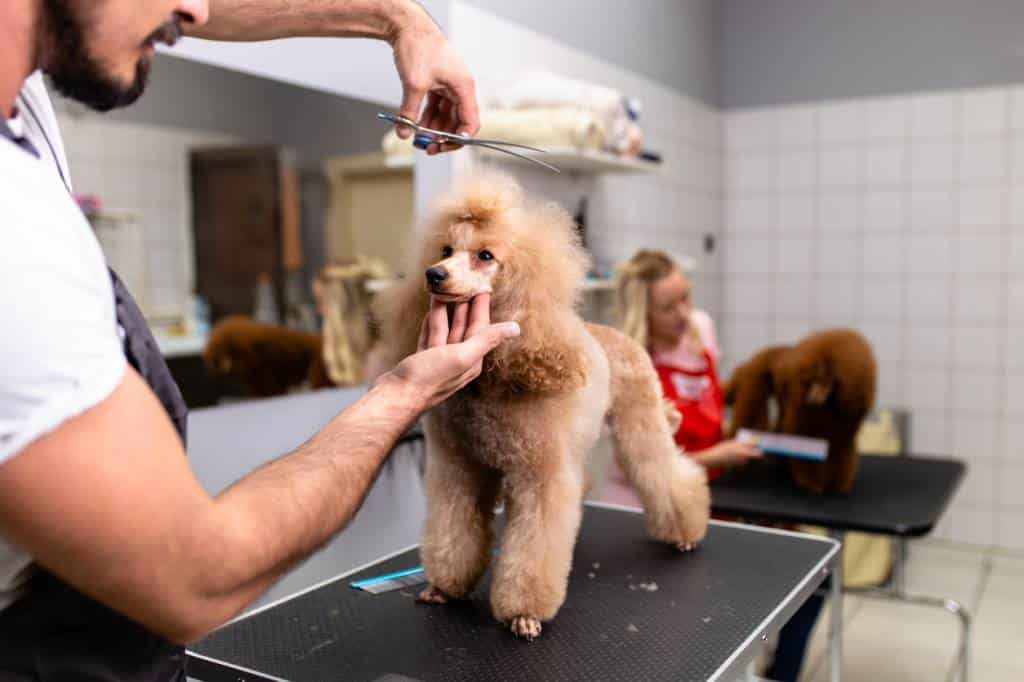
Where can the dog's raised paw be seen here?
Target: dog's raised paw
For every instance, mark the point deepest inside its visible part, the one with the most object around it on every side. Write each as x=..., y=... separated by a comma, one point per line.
x=432, y=595
x=526, y=627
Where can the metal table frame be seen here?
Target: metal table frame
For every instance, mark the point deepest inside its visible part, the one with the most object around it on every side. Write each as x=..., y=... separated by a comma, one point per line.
x=895, y=590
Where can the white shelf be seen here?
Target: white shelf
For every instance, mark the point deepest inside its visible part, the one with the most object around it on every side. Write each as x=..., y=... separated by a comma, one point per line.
x=569, y=159
x=590, y=284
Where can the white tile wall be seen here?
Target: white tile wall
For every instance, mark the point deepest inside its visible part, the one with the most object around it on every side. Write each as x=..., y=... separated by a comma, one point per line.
x=671, y=209
x=903, y=216
x=142, y=169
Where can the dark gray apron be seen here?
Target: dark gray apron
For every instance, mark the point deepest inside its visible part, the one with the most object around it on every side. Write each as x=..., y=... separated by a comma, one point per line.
x=57, y=634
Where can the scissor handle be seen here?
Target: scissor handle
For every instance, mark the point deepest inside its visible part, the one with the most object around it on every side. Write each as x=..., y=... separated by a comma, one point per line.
x=438, y=136
x=425, y=137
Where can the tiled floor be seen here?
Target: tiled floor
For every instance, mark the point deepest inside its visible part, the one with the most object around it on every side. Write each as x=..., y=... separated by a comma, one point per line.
x=889, y=642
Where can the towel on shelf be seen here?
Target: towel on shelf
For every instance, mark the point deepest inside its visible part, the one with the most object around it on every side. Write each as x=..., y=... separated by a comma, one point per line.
x=616, y=113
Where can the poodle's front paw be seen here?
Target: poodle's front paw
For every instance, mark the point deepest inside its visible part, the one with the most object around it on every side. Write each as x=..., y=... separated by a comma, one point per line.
x=432, y=595
x=684, y=521
x=526, y=627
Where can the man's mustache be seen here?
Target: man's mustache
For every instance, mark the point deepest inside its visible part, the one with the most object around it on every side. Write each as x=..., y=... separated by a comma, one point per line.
x=169, y=33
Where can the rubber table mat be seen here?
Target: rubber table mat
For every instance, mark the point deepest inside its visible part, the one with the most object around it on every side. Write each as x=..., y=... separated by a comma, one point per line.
x=904, y=496
x=705, y=615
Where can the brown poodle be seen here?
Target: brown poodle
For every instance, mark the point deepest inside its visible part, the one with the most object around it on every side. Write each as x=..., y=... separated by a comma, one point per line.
x=264, y=359
x=523, y=430
x=825, y=387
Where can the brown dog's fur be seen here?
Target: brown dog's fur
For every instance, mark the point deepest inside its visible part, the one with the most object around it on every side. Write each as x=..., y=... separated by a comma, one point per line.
x=264, y=359
x=825, y=387
x=523, y=429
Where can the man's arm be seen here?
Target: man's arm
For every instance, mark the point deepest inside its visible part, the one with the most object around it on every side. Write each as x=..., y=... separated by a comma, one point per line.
x=245, y=20
x=108, y=503
x=426, y=63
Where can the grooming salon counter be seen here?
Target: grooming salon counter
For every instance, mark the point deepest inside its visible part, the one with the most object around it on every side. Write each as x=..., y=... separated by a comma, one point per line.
x=636, y=609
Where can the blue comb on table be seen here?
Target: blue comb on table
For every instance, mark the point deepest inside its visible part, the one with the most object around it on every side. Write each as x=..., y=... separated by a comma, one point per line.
x=391, y=581
x=783, y=445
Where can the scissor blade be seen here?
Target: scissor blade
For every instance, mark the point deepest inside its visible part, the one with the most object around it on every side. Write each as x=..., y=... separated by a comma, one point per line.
x=499, y=148
x=501, y=143
x=441, y=137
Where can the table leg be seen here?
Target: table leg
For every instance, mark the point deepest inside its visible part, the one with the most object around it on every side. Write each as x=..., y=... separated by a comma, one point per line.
x=899, y=564
x=896, y=591
x=836, y=612
x=958, y=610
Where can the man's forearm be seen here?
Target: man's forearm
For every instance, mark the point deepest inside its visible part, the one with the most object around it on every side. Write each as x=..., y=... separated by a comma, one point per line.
x=285, y=510
x=245, y=20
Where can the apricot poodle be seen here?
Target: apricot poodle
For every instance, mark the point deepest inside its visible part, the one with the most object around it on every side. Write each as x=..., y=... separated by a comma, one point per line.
x=523, y=430
x=824, y=387
x=264, y=359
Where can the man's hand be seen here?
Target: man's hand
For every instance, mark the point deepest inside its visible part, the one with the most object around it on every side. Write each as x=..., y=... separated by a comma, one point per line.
x=427, y=65
x=429, y=68
x=450, y=355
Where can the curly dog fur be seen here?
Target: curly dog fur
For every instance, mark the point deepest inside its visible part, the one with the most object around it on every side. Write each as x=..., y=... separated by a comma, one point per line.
x=264, y=359
x=824, y=387
x=521, y=432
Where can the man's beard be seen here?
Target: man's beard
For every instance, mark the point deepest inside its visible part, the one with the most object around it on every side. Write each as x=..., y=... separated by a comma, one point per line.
x=76, y=73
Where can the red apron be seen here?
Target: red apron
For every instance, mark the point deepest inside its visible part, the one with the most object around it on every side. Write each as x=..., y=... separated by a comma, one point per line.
x=698, y=397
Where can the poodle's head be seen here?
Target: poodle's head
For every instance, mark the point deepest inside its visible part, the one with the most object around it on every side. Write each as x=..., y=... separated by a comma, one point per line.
x=832, y=369
x=486, y=237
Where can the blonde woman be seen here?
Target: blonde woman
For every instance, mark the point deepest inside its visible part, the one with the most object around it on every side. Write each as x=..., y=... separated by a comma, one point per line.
x=655, y=307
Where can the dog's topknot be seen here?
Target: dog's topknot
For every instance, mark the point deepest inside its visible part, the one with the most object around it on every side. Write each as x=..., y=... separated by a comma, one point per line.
x=481, y=198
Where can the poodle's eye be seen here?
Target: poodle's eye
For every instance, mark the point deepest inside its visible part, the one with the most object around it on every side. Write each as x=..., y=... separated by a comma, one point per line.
x=447, y=252
x=485, y=255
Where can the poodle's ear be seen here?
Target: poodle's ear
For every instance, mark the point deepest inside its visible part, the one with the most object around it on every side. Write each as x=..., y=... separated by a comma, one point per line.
x=539, y=287
x=855, y=372
x=545, y=265
x=545, y=358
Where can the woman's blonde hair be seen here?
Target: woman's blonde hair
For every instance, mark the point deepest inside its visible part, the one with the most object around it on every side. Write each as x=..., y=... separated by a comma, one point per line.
x=634, y=280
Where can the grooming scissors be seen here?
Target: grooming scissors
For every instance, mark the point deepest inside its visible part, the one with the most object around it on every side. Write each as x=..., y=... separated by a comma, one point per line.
x=424, y=137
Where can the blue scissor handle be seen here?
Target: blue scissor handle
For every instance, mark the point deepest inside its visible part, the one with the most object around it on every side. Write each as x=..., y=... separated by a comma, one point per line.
x=422, y=140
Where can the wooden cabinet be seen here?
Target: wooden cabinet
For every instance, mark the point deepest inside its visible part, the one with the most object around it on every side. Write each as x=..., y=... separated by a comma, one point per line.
x=245, y=225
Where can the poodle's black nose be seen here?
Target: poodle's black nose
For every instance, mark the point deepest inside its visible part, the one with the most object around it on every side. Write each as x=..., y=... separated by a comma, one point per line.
x=436, y=275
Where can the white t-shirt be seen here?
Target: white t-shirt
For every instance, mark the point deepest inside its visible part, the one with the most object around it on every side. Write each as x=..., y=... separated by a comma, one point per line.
x=40, y=125
x=60, y=353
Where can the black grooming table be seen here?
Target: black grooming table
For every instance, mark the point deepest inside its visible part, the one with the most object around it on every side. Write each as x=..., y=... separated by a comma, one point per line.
x=900, y=496
x=710, y=609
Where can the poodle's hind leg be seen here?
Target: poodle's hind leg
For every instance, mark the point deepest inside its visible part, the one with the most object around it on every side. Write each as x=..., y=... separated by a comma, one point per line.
x=458, y=533
x=672, y=487
x=532, y=572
